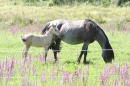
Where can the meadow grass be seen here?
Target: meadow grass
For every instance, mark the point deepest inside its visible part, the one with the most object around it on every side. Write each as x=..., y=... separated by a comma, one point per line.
x=19, y=20
x=25, y=15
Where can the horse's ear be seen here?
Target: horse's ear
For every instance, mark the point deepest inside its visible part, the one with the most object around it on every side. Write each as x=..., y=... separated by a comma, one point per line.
x=54, y=25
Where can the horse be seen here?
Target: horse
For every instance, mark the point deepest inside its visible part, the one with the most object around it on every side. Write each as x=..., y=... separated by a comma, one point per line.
x=39, y=40
x=83, y=31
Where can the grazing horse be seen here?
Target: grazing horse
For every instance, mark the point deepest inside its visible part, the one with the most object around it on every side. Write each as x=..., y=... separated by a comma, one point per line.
x=81, y=31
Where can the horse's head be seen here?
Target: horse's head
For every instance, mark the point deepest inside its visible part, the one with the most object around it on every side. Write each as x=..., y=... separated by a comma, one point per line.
x=54, y=29
x=108, y=54
x=46, y=28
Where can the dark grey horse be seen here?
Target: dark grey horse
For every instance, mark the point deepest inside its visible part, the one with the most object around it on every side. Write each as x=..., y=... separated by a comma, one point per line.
x=81, y=31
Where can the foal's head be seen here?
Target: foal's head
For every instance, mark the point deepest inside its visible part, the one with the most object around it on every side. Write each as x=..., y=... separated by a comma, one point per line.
x=53, y=28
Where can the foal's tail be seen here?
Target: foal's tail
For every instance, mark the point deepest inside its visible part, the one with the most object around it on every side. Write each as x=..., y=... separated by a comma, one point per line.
x=23, y=38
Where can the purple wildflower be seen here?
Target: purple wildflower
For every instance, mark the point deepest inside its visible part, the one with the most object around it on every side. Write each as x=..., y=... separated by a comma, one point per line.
x=41, y=58
x=26, y=31
x=65, y=77
x=25, y=81
x=53, y=77
x=34, y=70
x=30, y=59
x=1, y=70
x=83, y=78
x=7, y=77
x=73, y=77
x=78, y=71
x=23, y=71
x=43, y=77
x=12, y=63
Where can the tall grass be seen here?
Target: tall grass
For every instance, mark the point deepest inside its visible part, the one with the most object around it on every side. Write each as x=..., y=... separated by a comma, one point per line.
x=31, y=15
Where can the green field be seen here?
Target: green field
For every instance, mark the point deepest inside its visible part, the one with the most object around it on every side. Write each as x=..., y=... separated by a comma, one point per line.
x=18, y=20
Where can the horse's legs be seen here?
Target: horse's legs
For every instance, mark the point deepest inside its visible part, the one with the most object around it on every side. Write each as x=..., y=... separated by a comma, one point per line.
x=85, y=55
x=83, y=51
x=25, y=51
x=56, y=48
x=45, y=54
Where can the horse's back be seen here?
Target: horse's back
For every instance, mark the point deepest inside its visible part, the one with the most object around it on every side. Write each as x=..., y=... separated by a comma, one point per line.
x=79, y=31
x=72, y=32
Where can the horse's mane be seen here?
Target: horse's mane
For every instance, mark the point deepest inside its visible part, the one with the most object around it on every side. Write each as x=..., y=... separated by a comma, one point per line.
x=45, y=27
x=107, y=44
x=108, y=48
x=94, y=25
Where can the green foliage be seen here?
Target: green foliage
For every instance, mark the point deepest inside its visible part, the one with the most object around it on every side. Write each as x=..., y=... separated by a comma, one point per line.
x=123, y=2
x=104, y=3
x=67, y=2
x=28, y=15
x=128, y=18
x=28, y=2
x=22, y=21
x=100, y=2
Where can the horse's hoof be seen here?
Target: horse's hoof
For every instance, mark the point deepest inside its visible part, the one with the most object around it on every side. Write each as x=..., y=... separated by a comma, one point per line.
x=107, y=60
x=84, y=62
x=56, y=62
x=78, y=61
x=44, y=62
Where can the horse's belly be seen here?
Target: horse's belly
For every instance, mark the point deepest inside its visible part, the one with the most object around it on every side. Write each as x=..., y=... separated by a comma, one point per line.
x=72, y=35
x=72, y=40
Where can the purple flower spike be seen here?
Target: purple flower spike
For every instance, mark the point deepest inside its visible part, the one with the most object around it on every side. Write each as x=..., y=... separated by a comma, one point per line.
x=13, y=30
x=12, y=63
x=30, y=59
x=73, y=77
x=43, y=77
x=83, y=78
x=34, y=70
x=26, y=31
x=53, y=76
x=25, y=81
x=65, y=77
x=78, y=71
x=1, y=73
x=23, y=71
x=23, y=62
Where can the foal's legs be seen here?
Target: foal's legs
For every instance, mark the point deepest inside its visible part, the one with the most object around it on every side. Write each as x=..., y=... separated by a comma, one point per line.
x=25, y=51
x=83, y=51
x=45, y=53
x=56, y=48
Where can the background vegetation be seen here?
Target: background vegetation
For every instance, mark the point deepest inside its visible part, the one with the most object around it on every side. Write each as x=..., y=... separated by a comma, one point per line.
x=104, y=3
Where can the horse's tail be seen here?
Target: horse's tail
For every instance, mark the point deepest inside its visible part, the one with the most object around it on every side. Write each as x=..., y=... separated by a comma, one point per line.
x=23, y=38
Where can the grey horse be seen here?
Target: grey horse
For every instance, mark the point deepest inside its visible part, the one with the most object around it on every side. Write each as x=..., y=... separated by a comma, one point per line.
x=81, y=31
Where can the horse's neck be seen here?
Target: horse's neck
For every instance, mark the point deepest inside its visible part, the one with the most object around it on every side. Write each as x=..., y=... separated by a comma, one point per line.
x=102, y=39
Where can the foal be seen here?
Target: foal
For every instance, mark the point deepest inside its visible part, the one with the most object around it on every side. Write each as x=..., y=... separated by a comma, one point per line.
x=39, y=40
